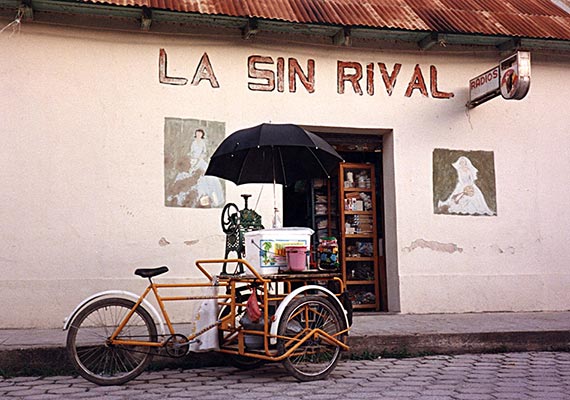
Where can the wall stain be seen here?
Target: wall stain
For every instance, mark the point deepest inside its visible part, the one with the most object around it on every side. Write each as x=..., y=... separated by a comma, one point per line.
x=126, y=210
x=163, y=242
x=433, y=245
x=508, y=250
x=191, y=242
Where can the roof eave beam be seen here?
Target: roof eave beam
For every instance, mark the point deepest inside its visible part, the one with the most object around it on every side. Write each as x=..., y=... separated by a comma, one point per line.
x=26, y=10
x=250, y=29
x=343, y=37
x=431, y=40
x=146, y=18
x=511, y=44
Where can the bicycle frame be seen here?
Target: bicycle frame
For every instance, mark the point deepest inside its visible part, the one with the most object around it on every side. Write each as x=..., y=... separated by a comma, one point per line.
x=161, y=300
x=303, y=324
x=227, y=323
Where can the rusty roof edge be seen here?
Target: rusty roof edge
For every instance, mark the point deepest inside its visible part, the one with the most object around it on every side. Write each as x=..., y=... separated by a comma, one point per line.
x=562, y=4
x=277, y=25
x=286, y=20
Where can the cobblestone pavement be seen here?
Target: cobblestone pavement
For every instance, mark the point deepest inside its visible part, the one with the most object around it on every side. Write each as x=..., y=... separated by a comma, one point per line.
x=519, y=376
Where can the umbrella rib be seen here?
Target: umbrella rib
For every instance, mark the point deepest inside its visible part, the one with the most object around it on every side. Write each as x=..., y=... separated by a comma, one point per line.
x=319, y=161
x=242, y=166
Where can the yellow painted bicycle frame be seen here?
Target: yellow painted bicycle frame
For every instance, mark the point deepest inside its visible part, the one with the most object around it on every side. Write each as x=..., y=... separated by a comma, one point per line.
x=227, y=323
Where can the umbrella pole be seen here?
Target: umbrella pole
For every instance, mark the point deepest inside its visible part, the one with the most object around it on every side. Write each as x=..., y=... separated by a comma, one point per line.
x=276, y=220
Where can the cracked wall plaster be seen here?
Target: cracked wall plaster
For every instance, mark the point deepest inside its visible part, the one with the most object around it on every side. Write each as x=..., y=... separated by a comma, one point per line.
x=163, y=242
x=433, y=245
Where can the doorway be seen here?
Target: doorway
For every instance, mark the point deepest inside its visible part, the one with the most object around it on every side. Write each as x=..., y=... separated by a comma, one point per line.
x=315, y=203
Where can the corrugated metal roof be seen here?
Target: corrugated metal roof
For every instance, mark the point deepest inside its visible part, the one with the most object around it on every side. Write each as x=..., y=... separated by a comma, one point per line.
x=517, y=18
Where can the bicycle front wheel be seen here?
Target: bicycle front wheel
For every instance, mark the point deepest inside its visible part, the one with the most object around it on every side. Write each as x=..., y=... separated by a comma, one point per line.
x=94, y=357
x=314, y=358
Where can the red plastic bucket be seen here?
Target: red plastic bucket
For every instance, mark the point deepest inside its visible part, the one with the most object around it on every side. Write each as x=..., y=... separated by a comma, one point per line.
x=296, y=257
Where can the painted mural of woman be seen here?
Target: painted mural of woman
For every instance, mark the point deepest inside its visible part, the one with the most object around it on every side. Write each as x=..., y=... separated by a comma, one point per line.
x=209, y=188
x=198, y=152
x=192, y=188
x=466, y=198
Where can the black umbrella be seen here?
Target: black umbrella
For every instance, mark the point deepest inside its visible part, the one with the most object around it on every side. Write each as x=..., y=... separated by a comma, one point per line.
x=273, y=153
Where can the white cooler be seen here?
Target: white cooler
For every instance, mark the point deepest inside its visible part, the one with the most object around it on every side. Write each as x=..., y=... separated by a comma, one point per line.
x=265, y=248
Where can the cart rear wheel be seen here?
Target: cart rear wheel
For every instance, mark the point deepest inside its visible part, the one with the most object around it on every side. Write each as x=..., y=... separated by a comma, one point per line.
x=99, y=361
x=316, y=357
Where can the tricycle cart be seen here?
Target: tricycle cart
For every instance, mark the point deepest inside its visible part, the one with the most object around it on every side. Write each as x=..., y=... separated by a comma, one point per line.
x=296, y=318
x=113, y=335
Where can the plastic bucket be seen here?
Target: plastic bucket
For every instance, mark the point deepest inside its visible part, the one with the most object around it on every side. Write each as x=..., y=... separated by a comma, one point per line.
x=296, y=257
x=252, y=341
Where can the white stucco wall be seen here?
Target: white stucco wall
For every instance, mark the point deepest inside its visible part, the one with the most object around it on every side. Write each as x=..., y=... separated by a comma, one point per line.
x=518, y=259
x=82, y=168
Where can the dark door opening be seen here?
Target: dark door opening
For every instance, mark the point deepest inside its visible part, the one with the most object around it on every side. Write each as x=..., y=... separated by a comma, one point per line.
x=304, y=202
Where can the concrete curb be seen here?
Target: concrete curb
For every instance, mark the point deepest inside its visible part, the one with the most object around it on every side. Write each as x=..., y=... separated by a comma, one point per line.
x=44, y=361
x=460, y=343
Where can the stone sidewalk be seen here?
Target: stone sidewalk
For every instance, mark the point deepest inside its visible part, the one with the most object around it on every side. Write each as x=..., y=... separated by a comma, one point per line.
x=33, y=351
x=503, y=376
